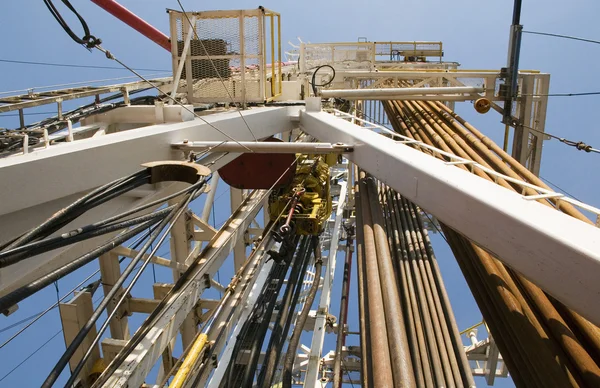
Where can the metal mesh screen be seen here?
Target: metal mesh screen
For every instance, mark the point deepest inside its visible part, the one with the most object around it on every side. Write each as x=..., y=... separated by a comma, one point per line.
x=225, y=58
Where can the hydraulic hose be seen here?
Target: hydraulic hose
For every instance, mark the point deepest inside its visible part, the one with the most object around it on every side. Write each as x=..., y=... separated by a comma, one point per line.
x=74, y=345
x=23, y=252
x=295, y=340
x=26, y=291
x=295, y=281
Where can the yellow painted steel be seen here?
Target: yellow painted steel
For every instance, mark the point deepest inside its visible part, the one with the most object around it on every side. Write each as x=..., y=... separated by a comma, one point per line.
x=272, y=55
x=314, y=204
x=190, y=361
x=276, y=70
x=279, y=79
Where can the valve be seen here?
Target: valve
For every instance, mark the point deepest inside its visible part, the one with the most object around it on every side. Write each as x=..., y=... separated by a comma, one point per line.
x=483, y=105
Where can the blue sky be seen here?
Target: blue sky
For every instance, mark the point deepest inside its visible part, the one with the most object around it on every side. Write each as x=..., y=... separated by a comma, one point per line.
x=474, y=34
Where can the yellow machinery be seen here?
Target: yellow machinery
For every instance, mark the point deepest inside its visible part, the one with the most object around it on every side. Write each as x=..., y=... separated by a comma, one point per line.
x=306, y=202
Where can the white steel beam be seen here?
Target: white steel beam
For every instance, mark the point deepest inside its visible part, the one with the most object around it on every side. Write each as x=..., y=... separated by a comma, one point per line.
x=114, y=156
x=132, y=372
x=58, y=175
x=239, y=250
x=264, y=147
x=556, y=251
x=394, y=93
x=312, y=372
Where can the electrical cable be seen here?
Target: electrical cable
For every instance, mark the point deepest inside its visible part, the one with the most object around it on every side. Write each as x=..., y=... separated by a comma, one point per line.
x=31, y=355
x=205, y=52
x=560, y=188
x=314, y=78
x=579, y=145
x=72, y=65
x=65, y=215
x=23, y=292
x=39, y=315
x=74, y=345
x=290, y=355
x=21, y=253
x=561, y=36
x=171, y=218
x=87, y=40
x=285, y=313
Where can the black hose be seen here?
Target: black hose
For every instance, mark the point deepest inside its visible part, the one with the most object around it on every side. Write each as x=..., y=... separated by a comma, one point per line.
x=286, y=314
x=290, y=356
x=21, y=293
x=74, y=345
x=251, y=366
x=21, y=253
x=92, y=199
x=108, y=225
x=314, y=78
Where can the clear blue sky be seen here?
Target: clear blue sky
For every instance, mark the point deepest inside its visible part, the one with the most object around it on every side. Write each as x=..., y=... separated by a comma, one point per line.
x=474, y=34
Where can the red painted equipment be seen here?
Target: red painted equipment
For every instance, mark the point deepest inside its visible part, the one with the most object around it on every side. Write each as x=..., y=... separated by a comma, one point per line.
x=135, y=22
x=259, y=171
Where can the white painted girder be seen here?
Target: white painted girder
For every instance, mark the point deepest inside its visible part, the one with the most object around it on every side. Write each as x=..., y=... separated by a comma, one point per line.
x=555, y=251
x=75, y=167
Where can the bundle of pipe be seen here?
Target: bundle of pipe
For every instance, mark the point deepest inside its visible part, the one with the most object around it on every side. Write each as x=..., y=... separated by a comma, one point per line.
x=386, y=345
x=542, y=342
x=436, y=348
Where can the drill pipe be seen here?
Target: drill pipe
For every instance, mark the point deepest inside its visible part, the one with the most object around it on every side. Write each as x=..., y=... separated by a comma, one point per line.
x=399, y=351
x=419, y=354
x=447, y=308
x=437, y=358
x=588, y=369
x=583, y=362
x=365, y=344
x=380, y=352
x=432, y=289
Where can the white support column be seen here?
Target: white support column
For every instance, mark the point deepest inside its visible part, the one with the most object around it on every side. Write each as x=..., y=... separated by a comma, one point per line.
x=132, y=372
x=312, y=372
x=210, y=198
x=239, y=252
x=557, y=252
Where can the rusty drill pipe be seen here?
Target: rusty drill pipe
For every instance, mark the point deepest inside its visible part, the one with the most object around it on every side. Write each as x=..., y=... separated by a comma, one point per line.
x=428, y=297
x=456, y=339
x=380, y=353
x=398, y=343
x=436, y=306
x=411, y=325
x=436, y=361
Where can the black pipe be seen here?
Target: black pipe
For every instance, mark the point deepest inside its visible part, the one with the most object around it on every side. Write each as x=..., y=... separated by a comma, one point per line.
x=295, y=340
x=23, y=252
x=74, y=345
x=290, y=317
x=21, y=293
